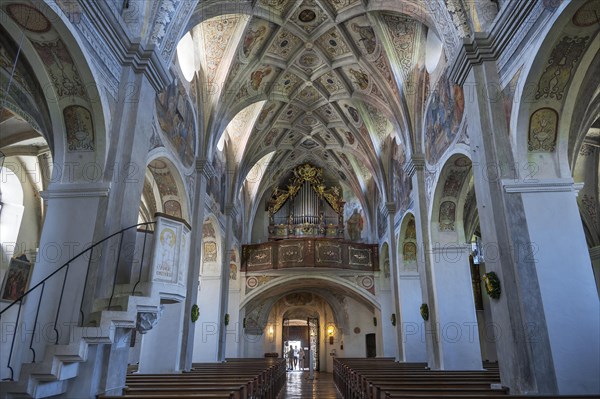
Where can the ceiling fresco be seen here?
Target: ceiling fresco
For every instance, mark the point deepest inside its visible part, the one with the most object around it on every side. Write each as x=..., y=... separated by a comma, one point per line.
x=319, y=81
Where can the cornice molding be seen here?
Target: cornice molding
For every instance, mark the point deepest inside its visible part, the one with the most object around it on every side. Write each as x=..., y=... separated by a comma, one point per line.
x=488, y=46
x=128, y=51
x=76, y=190
x=451, y=248
x=513, y=186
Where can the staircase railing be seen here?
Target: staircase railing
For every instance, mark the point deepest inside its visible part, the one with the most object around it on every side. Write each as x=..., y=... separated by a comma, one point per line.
x=42, y=284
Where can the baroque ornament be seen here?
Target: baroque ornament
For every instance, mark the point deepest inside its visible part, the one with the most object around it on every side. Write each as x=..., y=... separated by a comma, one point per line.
x=195, y=313
x=561, y=65
x=314, y=176
x=424, y=309
x=492, y=285
x=543, y=127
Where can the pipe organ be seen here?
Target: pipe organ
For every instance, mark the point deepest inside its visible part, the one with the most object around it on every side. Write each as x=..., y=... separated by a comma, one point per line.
x=306, y=208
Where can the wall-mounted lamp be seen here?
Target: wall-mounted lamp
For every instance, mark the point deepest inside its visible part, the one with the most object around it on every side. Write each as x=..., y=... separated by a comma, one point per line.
x=330, y=331
x=271, y=331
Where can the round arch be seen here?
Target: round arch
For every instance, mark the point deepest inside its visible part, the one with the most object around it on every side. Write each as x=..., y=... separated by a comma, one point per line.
x=361, y=294
x=170, y=187
x=449, y=170
x=78, y=110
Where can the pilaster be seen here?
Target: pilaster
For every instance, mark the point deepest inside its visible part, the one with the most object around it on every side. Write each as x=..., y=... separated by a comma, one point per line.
x=417, y=166
x=390, y=210
x=204, y=171
x=230, y=214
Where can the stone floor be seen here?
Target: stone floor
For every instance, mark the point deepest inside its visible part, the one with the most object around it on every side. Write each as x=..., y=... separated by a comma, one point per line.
x=298, y=386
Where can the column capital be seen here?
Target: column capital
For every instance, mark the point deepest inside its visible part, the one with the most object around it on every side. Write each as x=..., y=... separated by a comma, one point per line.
x=205, y=167
x=390, y=209
x=409, y=168
x=417, y=161
x=231, y=210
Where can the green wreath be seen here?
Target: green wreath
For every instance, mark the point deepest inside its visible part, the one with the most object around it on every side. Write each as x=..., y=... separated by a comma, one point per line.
x=226, y=319
x=492, y=285
x=425, y=311
x=195, y=313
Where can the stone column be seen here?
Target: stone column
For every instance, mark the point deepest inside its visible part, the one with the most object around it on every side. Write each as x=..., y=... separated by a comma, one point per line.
x=131, y=127
x=59, y=242
x=559, y=255
x=390, y=208
x=548, y=313
x=417, y=169
x=204, y=171
x=230, y=215
x=455, y=310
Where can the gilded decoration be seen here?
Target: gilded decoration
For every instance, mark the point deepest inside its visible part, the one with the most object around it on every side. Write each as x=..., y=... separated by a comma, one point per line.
x=314, y=176
x=327, y=253
x=259, y=257
x=291, y=253
x=360, y=257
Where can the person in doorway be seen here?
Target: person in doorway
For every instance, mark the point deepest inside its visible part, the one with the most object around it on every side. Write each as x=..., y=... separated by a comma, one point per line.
x=295, y=357
x=291, y=358
x=301, y=358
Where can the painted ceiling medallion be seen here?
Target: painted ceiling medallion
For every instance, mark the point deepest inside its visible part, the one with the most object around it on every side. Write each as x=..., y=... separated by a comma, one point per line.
x=307, y=16
x=29, y=18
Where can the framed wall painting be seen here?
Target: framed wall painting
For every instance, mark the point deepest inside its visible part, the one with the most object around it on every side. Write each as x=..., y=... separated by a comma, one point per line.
x=16, y=279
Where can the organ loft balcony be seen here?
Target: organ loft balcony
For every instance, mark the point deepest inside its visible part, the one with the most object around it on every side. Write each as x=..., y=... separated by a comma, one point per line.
x=306, y=229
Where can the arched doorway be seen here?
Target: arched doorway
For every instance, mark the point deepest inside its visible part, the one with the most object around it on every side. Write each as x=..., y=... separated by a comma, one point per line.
x=300, y=329
x=338, y=316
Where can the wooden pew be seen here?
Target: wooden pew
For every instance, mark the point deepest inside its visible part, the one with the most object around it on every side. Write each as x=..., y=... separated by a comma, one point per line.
x=385, y=379
x=234, y=379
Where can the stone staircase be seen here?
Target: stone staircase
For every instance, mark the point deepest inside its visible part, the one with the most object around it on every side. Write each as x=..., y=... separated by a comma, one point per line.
x=61, y=363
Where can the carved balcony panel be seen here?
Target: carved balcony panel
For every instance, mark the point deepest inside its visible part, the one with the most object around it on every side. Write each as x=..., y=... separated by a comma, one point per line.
x=310, y=253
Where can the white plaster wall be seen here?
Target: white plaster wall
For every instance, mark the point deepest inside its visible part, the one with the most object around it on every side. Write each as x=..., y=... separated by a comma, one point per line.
x=161, y=346
x=253, y=345
x=568, y=289
x=361, y=317
x=234, y=329
x=207, y=335
x=412, y=323
x=388, y=331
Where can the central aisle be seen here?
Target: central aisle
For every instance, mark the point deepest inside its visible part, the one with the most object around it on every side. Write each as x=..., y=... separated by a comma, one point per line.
x=299, y=387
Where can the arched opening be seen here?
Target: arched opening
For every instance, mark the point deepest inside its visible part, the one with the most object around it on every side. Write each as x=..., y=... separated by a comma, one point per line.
x=336, y=315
